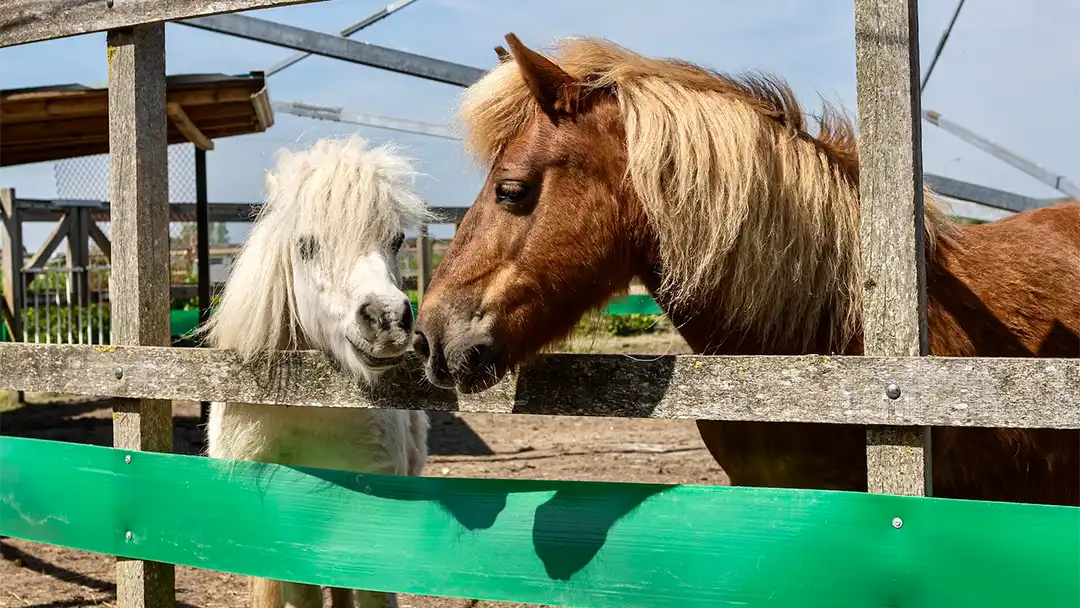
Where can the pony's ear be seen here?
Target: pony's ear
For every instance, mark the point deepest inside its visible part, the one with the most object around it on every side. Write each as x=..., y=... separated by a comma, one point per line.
x=503, y=55
x=556, y=91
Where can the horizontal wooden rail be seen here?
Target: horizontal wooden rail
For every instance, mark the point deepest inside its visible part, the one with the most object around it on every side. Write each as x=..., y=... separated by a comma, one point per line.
x=935, y=391
x=23, y=21
x=552, y=542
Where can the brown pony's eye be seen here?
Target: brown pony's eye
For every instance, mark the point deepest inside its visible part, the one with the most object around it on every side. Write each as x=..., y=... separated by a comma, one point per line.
x=509, y=192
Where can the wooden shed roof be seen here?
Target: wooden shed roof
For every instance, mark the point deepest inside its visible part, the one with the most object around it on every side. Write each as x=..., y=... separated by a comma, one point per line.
x=49, y=123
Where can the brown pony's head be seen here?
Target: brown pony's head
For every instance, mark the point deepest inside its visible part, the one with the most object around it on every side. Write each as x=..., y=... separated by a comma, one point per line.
x=607, y=165
x=549, y=236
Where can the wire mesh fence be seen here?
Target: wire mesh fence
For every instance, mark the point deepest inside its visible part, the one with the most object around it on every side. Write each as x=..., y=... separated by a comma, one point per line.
x=87, y=177
x=63, y=303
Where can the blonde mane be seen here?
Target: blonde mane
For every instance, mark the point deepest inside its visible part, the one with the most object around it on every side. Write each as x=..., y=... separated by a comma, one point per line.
x=752, y=211
x=347, y=196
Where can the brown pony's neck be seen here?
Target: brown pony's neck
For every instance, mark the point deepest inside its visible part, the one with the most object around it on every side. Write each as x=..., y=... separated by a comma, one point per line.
x=706, y=330
x=710, y=326
x=705, y=326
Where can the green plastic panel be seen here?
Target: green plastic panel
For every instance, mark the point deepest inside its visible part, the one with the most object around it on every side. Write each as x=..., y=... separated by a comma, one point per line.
x=633, y=304
x=551, y=542
x=183, y=321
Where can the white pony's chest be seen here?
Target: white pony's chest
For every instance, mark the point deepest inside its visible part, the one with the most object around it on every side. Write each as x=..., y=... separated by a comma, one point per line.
x=329, y=438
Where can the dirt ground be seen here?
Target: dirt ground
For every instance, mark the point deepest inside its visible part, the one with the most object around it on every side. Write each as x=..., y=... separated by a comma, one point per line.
x=467, y=445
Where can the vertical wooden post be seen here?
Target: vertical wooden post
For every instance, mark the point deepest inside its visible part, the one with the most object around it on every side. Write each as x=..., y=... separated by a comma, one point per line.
x=11, y=266
x=139, y=286
x=423, y=270
x=78, y=254
x=892, y=224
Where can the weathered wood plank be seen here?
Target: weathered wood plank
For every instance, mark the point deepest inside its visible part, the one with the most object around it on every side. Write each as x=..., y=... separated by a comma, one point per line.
x=945, y=391
x=139, y=285
x=892, y=226
x=23, y=21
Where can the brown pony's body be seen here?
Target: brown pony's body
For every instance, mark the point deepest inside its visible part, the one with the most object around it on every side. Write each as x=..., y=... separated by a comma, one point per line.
x=610, y=166
x=988, y=296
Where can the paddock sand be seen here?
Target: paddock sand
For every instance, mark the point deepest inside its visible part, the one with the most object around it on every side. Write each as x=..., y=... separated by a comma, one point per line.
x=468, y=445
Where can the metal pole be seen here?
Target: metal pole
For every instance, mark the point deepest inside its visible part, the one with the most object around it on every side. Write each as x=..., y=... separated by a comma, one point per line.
x=940, y=47
x=202, y=236
x=337, y=114
x=1056, y=181
x=371, y=19
x=336, y=47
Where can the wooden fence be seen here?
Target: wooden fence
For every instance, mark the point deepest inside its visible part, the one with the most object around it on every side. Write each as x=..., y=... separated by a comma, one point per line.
x=562, y=543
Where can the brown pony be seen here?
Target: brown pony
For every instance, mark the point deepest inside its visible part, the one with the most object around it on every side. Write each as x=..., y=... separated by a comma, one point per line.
x=607, y=166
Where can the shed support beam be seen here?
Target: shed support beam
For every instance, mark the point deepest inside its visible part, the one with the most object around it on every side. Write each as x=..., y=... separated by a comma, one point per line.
x=183, y=124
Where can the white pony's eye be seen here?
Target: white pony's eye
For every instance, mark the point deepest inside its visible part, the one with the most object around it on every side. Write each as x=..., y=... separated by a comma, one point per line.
x=307, y=246
x=398, y=241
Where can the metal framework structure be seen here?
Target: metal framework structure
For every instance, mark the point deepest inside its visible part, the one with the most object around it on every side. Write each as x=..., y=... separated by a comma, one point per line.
x=127, y=502
x=1058, y=182
x=338, y=114
x=328, y=45
x=1054, y=180
x=371, y=19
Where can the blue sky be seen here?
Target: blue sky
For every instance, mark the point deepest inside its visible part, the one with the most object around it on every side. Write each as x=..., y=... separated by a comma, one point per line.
x=1011, y=72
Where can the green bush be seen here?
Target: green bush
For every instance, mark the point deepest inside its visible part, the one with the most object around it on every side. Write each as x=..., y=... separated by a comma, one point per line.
x=631, y=325
x=43, y=324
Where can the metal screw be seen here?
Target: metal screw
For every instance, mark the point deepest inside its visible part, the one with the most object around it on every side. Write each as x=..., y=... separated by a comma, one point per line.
x=127, y=535
x=127, y=459
x=119, y=372
x=897, y=522
x=892, y=390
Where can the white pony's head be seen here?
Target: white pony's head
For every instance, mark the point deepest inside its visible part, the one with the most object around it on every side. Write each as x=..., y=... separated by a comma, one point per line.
x=320, y=267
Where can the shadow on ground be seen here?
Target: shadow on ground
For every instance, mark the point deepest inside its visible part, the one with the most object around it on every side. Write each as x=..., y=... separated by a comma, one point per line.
x=89, y=421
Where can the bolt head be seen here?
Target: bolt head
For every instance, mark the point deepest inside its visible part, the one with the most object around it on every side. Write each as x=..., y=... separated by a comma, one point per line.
x=897, y=522
x=128, y=535
x=892, y=390
x=119, y=372
x=127, y=459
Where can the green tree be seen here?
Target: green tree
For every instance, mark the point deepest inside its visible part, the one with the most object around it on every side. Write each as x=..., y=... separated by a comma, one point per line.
x=219, y=233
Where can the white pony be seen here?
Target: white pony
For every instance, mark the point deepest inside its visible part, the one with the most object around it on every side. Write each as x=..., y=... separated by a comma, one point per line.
x=320, y=271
